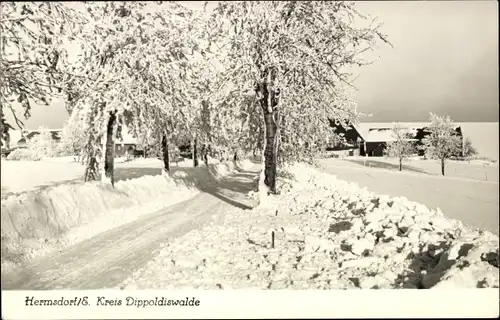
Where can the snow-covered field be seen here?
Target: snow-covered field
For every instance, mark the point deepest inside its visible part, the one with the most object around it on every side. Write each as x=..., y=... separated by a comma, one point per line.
x=48, y=213
x=473, y=202
x=479, y=170
x=329, y=234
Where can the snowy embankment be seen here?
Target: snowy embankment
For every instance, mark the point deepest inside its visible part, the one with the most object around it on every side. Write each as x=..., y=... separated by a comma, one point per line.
x=38, y=222
x=329, y=234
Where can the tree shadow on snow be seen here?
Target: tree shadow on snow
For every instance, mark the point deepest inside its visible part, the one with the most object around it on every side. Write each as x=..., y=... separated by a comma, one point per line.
x=126, y=173
x=385, y=165
x=231, y=189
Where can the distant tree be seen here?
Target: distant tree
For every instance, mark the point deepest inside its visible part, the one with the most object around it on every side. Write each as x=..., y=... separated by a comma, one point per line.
x=402, y=147
x=443, y=141
x=147, y=141
x=73, y=136
x=468, y=149
x=337, y=139
x=41, y=145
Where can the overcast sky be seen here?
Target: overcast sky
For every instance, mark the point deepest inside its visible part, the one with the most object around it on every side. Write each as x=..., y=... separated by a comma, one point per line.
x=444, y=60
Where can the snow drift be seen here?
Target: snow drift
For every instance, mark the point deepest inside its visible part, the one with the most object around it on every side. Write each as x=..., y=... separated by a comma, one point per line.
x=37, y=222
x=328, y=234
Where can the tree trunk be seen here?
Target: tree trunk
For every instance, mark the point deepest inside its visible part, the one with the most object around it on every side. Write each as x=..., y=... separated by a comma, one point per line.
x=164, y=146
x=89, y=159
x=400, y=164
x=109, y=155
x=195, y=152
x=204, y=153
x=442, y=166
x=7, y=140
x=269, y=102
x=270, y=152
x=235, y=158
x=92, y=170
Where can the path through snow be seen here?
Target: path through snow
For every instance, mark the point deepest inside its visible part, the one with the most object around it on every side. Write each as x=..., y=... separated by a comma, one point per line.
x=107, y=259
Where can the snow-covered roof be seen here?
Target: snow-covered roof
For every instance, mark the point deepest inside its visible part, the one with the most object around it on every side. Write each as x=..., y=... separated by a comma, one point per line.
x=379, y=135
x=385, y=134
x=365, y=127
x=381, y=131
x=16, y=136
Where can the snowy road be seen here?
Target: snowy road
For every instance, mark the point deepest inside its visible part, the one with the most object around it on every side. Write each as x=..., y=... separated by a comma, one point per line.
x=475, y=203
x=105, y=260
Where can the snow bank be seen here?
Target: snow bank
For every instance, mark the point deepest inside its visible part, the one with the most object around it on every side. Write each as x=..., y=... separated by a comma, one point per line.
x=245, y=164
x=328, y=234
x=37, y=222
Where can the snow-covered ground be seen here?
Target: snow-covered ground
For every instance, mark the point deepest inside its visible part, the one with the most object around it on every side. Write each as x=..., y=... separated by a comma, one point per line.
x=64, y=211
x=480, y=170
x=475, y=203
x=328, y=234
x=106, y=259
x=21, y=176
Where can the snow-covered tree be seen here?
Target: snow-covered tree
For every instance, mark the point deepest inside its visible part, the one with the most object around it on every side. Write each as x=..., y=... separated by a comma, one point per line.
x=230, y=125
x=73, y=136
x=468, y=148
x=403, y=146
x=134, y=71
x=337, y=139
x=443, y=141
x=33, y=54
x=42, y=144
x=293, y=56
x=147, y=141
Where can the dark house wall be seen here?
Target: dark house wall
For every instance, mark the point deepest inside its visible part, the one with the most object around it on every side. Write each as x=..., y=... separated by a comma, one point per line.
x=22, y=142
x=375, y=149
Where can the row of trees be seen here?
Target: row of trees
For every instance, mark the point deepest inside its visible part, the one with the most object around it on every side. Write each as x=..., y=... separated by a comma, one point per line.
x=442, y=142
x=251, y=75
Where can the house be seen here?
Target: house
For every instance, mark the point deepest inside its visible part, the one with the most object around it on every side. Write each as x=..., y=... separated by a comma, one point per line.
x=377, y=139
x=55, y=133
x=20, y=138
x=370, y=139
x=350, y=135
x=127, y=144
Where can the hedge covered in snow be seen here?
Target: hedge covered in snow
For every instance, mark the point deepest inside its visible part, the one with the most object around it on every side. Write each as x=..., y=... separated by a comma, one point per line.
x=328, y=234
